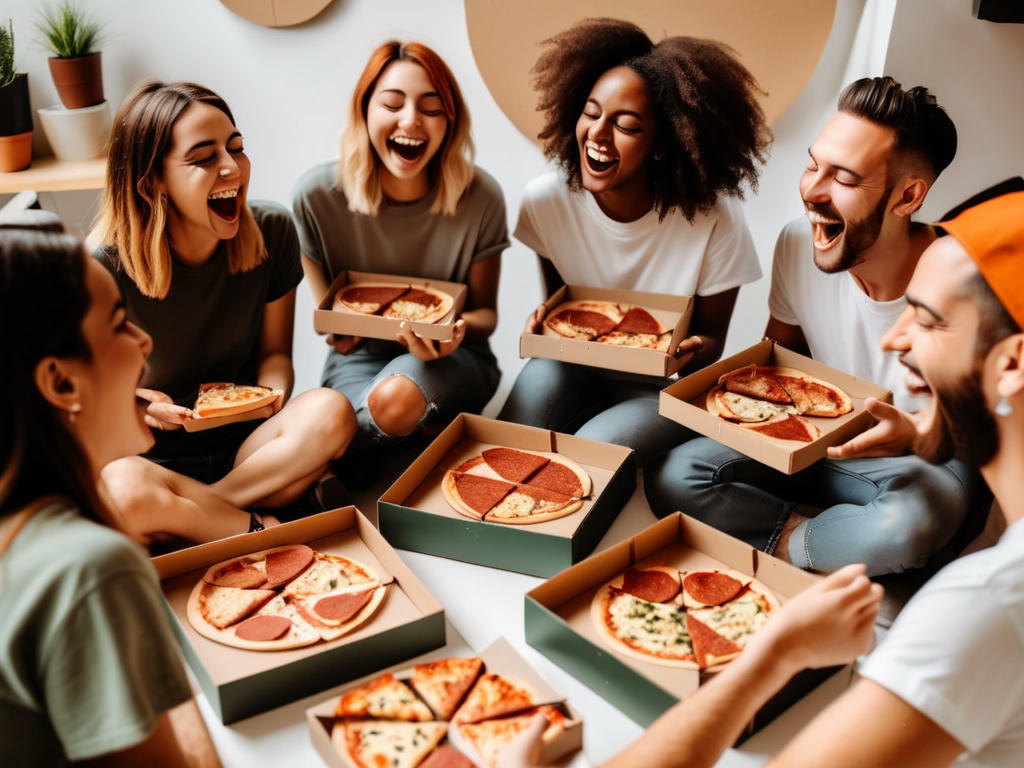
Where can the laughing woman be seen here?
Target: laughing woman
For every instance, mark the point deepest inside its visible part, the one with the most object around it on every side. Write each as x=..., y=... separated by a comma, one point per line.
x=406, y=199
x=213, y=280
x=654, y=144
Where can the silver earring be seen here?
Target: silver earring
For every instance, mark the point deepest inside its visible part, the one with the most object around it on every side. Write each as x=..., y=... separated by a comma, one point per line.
x=1003, y=407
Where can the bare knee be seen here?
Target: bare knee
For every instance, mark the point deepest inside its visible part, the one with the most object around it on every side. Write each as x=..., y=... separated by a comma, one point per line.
x=396, y=405
x=335, y=422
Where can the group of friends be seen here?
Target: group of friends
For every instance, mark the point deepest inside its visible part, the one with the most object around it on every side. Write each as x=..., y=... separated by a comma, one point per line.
x=654, y=144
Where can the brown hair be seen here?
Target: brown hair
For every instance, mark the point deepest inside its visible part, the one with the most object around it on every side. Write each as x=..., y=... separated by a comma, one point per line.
x=451, y=169
x=133, y=215
x=711, y=133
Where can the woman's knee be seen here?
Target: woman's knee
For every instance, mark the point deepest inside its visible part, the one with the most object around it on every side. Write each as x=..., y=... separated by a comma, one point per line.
x=334, y=421
x=396, y=405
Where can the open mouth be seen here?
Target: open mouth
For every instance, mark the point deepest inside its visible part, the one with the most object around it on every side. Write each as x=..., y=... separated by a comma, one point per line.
x=598, y=160
x=225, y=203
x=825, y=229
x=914, y=381
x=407, y=148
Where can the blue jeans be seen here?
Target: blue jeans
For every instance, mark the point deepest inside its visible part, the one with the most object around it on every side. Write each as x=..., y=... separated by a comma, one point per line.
x=598, y=404
x=889, y=513
x=462, y=381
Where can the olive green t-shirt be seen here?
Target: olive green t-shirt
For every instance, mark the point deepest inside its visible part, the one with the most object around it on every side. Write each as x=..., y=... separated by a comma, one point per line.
x=88, y=662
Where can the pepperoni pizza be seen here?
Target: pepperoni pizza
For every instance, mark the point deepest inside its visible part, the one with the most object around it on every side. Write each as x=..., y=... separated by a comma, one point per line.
x=283, y=598
x=694, y=620
x=516, y=487
x=224, y=399
x=395, y=300
x=609, y=323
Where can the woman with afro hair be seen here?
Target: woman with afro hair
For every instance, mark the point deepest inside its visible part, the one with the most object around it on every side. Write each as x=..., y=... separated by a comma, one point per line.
x=655, y=143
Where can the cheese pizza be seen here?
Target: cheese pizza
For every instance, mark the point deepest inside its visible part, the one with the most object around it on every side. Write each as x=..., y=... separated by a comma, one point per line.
x=695, y=620
x=223, y=399
x=516, y=487
x=608, y=323
x=283, y=598
x=400, y=301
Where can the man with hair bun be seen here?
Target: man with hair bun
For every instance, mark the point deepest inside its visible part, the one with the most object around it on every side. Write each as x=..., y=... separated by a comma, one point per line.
x=838, y=282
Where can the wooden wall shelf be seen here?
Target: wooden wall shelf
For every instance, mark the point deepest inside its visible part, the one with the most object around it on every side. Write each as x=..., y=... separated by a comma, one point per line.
x=48, y=174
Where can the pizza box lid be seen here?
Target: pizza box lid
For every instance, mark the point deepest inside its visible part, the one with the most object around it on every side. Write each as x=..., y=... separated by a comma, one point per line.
x=240, y=682
x=201, y=423
x=328, y=320
x=559, y=609
x=499, y=657
x=684, y=402
x=673, y=311
x=419, y=488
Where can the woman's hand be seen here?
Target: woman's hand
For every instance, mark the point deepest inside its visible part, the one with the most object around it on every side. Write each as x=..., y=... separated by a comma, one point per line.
x=892, y=435
x=687, y=348
x=534, y=321
x=162, y=412
x=343, y=345
x=428, y=349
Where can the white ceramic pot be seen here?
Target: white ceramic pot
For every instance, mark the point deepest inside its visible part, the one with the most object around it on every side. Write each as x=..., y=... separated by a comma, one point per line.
x=76, y=134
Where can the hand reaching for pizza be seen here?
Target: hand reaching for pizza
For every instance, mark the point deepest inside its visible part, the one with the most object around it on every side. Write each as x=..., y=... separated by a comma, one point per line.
x=523, y=750
x=342, y=344
x=892, y=435
x=428, y=349
x=689, y=347
x=162, y=412
x=533, y=322
x=827, y=624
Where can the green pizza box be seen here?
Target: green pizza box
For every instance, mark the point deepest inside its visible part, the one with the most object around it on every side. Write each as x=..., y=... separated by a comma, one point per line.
x=685, y=401
x=414, y=515
x=239, y=683
x=559, y=623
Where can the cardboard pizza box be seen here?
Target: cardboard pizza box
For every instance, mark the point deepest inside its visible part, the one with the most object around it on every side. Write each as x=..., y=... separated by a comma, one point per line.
x=328, y=320
x=684, y=401
x=200, y=424
x=500, y=657
x=413, y=514
x=558, y=621
x=239, y=683
x=674, y=312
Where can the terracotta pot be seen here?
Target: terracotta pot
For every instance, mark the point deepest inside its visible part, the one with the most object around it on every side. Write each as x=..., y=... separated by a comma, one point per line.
x=15, y=152
x=79, y=81
x=15, y=125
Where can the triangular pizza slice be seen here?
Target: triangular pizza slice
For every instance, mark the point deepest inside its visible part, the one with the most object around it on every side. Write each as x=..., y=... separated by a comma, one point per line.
x=391, y=743
x=756, y=381
x=444, y=683
x=384, y=697
x=472, y=494
x=709, y=647
x=490, y=736
x=494, y=696
x=512, y=465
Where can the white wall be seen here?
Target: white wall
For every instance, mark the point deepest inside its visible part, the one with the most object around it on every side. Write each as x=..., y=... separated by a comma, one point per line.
x=288, y=88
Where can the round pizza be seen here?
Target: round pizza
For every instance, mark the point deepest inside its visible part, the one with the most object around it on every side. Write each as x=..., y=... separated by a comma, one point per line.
x=516, y=487
x=281, y=598
x=395, y=300
x=368, y=298
x=609, y=323
x=691, y=620
x=224, y=399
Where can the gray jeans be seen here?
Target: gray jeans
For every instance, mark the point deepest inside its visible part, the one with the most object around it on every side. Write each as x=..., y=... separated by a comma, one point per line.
x=889, y=513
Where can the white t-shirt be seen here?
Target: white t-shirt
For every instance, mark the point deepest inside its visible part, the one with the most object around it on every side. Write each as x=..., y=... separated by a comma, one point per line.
x=956, y=651
x=710, y=255
x=842, y=324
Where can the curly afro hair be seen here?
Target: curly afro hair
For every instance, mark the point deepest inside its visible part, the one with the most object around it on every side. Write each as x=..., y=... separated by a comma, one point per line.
x=711, y=133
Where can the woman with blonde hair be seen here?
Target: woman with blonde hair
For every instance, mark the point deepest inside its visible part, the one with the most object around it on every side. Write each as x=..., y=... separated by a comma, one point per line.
x=406, y=199
x=213, y=280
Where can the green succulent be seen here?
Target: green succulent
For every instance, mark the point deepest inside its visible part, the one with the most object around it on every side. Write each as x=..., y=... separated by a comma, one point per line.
x=7, y=54
x=68, y=31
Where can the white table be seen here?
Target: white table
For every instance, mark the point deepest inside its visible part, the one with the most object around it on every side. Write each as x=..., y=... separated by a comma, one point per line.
x=482, y=604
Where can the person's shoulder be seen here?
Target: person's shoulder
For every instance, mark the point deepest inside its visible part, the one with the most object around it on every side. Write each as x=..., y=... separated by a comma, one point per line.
x=108, y=257
x=793, y=247
x=547, y=185
x=484, y=186
x=321, y=178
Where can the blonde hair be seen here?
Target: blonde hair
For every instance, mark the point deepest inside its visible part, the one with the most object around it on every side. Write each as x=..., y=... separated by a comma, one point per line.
x=451, y=169
x=133, y=215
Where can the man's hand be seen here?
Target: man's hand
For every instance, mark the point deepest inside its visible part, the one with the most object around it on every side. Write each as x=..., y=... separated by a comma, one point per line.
x=162, y=412
x=534, y=321
x=428, y=349
x=892, y=435
x=343, y=345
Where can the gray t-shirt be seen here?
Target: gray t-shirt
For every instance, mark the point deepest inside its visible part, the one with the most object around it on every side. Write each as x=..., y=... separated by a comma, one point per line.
x=402, y=239
x=88, y=662
x=208, y=326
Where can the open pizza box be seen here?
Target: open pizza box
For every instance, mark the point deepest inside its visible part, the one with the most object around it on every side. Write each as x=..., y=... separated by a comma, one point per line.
x=199, y=424
x=413, y=513
x=328, y=320
x=684, y=401
x=672, y=311
x=559, y=622
x=239, y=683
x=499, y=657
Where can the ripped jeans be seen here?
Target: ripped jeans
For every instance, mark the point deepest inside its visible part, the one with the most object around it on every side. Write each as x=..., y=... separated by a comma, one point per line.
x=465, y=380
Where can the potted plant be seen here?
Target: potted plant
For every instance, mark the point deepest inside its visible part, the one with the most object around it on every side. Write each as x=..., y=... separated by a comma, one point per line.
x=15, y=110
x=72, y=36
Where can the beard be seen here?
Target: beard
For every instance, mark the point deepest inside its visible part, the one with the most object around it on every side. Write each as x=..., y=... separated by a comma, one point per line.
x=964, y=428
x=858, y=237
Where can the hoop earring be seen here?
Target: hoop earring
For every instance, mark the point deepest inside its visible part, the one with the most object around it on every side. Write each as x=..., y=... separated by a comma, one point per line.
x=1003, y=407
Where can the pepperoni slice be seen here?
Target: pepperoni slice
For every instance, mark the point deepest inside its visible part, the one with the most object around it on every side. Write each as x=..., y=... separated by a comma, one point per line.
x=586, y=320
x=790, y=428
x=373, y=294
x=285, y=564
x=342, y=607
x=481, y=493
x=639, y=320
x=447, y=756
x=239, y=574
x=651, y=585
x=708, y=642
x=263, y=628
x=515, y=466
x=558, y=478
x=711, y=587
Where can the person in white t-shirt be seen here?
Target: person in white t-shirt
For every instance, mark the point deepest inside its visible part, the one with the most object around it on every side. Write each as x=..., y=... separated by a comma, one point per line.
x=838, y=283
x=651, y=166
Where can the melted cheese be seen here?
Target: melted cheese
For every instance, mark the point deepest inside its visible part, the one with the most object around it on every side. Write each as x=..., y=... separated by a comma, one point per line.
x=652, y=627
x=395, y=744
x=737, y=619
